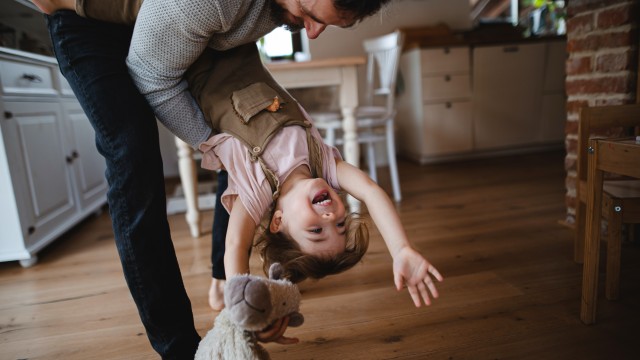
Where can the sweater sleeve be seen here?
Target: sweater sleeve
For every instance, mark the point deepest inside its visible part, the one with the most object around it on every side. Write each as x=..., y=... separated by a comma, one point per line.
x=168, y=37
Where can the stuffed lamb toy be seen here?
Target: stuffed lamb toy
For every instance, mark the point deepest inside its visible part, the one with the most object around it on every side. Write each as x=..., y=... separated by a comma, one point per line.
x=252, y=303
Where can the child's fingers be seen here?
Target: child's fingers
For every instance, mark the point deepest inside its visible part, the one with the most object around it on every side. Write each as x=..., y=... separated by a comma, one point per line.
x=415, y=296
x=433, y=271
x=424, y=293
x=283, y=340
x=431, y=286
x=275, y=331
x=398, y=280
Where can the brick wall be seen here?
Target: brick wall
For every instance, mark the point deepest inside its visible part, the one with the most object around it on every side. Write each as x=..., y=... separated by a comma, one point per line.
x=602, y=42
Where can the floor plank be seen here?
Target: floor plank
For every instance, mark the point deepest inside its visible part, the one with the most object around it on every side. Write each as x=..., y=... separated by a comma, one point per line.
x=512, y=290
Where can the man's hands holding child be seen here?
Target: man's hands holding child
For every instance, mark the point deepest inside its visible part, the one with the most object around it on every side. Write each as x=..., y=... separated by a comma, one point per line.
x=412, y=270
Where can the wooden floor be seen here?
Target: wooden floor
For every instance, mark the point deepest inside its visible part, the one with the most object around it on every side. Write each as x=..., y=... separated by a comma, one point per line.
x=492, y=228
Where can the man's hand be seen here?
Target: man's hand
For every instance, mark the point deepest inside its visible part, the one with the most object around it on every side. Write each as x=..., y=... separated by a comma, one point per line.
x=275, y=333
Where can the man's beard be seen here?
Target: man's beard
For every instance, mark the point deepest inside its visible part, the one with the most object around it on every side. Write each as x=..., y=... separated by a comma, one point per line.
x=279, y=15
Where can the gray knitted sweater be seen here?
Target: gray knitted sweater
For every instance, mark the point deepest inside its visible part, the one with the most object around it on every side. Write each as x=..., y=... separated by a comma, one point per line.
x=170, y=35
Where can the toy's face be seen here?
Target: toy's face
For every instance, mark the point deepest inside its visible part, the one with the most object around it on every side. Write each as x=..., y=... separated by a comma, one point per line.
x=254, y=302
x=285, y=300
x=313, y=215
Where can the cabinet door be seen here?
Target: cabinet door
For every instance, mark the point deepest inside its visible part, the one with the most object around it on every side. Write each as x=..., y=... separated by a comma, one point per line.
x=507, y=94
x=447, y=128
x=88, y=165
x=39, y=168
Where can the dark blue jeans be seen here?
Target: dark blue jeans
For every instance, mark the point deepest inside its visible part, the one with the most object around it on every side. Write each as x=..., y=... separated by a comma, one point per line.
x=219, y=232
x=91, y=56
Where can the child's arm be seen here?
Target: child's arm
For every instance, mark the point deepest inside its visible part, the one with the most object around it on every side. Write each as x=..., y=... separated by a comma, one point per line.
x=238, y=241
x=410, y=268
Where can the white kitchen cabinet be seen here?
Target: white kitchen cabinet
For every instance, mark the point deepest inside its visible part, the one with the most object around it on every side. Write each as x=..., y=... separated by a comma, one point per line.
x=51, y=175
x=507, y=94
x=88, y=165
x=465, y=102
x=434, y=108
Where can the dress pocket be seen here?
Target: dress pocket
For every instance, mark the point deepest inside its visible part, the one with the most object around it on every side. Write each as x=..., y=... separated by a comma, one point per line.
x=253, y=99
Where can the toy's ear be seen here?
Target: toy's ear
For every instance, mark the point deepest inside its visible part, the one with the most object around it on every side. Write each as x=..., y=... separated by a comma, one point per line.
x=296, y=319
x=276, y=271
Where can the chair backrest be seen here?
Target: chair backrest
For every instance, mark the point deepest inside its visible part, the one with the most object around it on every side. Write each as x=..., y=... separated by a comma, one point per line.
x=383, y=59
x=599, y=120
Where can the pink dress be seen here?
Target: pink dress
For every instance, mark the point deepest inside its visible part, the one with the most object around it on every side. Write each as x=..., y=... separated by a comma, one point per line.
x=286, y=151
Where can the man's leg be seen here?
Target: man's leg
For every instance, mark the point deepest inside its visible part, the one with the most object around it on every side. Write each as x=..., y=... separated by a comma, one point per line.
x=92, y=58
x=218, y=234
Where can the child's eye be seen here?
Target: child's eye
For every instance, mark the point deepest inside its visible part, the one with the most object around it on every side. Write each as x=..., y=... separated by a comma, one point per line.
x=316, y=231
x=340, y=224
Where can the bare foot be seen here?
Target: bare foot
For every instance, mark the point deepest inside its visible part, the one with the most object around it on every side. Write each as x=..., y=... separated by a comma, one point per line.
x=50, y=6
x=216, y=294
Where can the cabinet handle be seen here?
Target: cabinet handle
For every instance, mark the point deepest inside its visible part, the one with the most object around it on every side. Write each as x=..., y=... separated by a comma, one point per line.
x=32, y=77
x=448, y=105
x=447, y=78
x=74, y=154
x=31, y=230
x=8, y=115
x=69, y=159
x=510, y=49
x=447, y=50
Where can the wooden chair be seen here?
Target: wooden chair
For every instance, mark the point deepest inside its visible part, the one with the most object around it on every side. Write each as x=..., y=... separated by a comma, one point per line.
x=375, y=123
x=620, y=198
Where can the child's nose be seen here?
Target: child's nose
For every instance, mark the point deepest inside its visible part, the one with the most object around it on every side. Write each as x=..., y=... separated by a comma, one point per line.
x=329, y=216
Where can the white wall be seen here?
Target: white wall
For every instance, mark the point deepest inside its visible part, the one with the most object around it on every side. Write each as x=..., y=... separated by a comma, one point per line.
x=334, y=42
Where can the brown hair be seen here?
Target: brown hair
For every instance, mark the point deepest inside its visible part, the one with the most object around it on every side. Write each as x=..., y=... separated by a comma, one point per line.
x=279, y=247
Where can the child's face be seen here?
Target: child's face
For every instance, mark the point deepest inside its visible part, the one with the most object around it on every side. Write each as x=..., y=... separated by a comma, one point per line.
x=313, y=215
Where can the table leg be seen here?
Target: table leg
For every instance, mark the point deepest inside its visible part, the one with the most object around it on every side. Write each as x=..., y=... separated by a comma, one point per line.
x=348, y=104
x=592, y=239
x=351, y=148
x=189, y=180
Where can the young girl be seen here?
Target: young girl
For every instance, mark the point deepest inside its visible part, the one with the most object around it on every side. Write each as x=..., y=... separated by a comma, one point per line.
x=280, y=170
x=279, y=166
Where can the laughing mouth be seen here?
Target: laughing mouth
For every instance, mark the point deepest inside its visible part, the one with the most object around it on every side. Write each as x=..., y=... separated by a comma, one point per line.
x=322, y=198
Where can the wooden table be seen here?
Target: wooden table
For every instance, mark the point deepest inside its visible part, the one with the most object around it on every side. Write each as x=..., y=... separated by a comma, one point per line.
x=341, y=72
x=619, y=156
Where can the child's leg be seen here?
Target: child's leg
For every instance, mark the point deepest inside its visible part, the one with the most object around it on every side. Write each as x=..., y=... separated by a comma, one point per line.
x=216, y=294
x=50, y=6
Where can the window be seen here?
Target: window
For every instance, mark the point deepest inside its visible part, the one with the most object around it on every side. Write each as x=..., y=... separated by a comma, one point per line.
x=281, y=44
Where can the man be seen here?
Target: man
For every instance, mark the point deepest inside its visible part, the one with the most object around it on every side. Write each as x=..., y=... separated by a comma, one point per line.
x=122, y=108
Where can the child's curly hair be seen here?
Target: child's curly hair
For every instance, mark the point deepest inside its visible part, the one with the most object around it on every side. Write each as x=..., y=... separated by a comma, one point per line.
x=279, y=247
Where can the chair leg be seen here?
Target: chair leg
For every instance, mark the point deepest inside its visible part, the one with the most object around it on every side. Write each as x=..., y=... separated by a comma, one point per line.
x=614, y=248
x=393, y=164
x=578, y=242
x=371, y=161
x=330, y=136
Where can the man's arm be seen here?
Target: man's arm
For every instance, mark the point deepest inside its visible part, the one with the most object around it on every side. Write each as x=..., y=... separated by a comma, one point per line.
x=169, y=36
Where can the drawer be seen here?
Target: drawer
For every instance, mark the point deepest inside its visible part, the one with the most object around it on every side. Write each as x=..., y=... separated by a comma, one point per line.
x=442, y=87
x=447, y=128
x=19, y=78
x=442, y=60
x=65, y=88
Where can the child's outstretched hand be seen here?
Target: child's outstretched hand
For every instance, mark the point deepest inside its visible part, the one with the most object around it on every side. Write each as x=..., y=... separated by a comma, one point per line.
x=410, y=268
